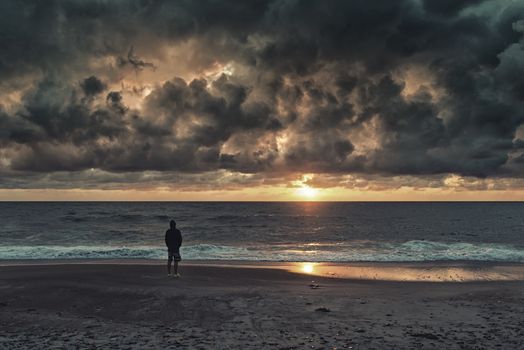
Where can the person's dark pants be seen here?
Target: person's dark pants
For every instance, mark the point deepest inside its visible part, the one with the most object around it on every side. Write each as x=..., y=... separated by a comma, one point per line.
x=173, y=255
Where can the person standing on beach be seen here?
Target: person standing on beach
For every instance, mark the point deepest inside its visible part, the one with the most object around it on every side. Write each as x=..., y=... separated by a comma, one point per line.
x=173, y=243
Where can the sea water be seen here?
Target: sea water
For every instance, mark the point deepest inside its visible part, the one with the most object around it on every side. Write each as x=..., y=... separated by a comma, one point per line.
x=277, y=231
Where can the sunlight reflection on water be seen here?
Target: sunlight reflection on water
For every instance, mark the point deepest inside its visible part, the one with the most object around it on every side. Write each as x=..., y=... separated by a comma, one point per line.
x=308, y=267
x=412, y=273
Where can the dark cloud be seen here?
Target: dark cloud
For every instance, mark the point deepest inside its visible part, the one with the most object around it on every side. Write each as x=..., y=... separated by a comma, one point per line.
x=448, y=7
x=135, y=62
x=409, y=87
x=92, y=86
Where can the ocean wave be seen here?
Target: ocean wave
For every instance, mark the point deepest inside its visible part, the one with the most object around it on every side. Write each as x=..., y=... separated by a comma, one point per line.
x=378, y=251
x=124, y=218
x=74, y=218
x=227, y=217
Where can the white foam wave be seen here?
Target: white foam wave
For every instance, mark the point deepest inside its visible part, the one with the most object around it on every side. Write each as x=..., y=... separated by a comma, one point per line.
x=407, y=251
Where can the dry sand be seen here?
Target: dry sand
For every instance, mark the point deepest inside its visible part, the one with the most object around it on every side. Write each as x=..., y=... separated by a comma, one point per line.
x=130, y=306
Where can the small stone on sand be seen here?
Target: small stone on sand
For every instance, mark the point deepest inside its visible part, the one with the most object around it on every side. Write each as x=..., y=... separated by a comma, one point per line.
x=323, y=309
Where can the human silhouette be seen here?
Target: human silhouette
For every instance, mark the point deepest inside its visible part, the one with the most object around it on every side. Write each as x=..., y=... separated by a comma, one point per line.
x=173, y=243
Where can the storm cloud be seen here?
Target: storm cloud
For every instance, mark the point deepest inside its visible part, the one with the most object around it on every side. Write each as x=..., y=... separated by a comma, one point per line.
x=378, y=89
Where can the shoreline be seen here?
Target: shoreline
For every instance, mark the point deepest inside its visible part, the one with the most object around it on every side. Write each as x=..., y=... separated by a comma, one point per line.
x=435, y=271
x=143, y=261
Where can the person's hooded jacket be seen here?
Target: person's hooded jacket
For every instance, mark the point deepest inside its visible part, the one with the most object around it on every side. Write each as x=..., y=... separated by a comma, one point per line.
x=173, y=237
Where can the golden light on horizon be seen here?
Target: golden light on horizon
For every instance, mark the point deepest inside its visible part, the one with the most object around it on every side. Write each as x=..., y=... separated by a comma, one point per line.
x=303, y=189
x=307, y=191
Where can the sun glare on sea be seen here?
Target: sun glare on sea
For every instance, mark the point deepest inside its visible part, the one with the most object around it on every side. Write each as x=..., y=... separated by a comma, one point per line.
x=307, y=192
x=307, y=268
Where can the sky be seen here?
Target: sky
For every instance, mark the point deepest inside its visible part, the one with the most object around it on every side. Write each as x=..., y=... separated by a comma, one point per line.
x=262, y=100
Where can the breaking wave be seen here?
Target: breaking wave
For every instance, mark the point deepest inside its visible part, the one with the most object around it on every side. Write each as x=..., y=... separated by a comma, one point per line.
x=368, y=251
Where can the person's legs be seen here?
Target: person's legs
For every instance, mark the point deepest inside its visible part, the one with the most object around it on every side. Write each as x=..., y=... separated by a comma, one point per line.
x=175, y=266
x=169, y=265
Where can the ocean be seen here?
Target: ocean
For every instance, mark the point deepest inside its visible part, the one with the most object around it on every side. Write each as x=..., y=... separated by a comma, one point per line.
x=274, y=231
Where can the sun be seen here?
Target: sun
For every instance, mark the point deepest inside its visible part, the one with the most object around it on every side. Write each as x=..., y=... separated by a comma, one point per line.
x=307, y=191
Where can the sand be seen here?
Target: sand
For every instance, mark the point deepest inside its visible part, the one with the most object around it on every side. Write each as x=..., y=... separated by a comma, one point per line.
x=136, y=306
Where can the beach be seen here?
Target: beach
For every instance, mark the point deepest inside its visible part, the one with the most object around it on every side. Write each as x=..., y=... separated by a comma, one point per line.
x=134, y=305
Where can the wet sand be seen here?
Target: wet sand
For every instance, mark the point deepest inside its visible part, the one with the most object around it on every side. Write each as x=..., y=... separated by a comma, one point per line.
x=259, y=306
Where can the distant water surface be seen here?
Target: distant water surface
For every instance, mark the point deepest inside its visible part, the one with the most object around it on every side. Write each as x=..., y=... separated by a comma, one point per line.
x=292, y=231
